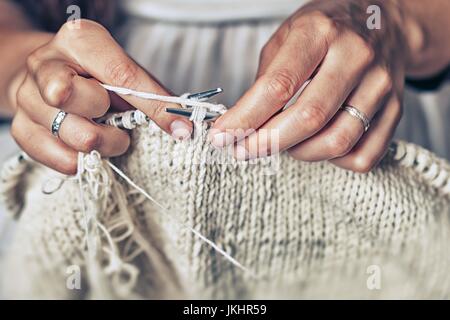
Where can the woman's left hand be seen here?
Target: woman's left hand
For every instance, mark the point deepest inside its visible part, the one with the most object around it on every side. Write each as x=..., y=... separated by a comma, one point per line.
x=348, y=64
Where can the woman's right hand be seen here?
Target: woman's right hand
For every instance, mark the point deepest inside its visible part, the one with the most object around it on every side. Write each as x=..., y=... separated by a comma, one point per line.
x=64, y=74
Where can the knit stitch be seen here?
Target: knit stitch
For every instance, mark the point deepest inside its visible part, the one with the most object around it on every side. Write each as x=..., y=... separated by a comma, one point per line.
x=303, y=229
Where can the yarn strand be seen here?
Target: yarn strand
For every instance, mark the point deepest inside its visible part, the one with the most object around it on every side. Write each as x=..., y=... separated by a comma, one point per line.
x=182, y=100
x=166, y=211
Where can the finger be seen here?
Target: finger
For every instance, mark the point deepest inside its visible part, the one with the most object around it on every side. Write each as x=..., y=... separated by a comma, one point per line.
x=41, y=146
x=85, y=136
x=372, y=147
x=61, y=87
x=93, y=48
x=77, y=132
x=318, y=103
x=270, y=50
x=345, y=130
x=294, y=63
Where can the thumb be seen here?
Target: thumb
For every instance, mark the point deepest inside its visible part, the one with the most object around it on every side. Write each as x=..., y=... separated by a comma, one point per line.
x=93, y=48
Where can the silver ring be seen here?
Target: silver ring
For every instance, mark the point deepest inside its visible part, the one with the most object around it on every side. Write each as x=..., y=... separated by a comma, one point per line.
x=56, y=124
x=359, y=115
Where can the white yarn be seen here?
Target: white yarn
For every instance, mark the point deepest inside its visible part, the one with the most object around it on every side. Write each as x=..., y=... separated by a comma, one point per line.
x=129, y=119
x=91, y=175
x=182, y=100
x=198, y=114
x=167, y=212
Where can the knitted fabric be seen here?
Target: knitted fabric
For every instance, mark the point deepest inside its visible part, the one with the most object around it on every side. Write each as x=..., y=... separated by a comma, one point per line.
x=301, y=229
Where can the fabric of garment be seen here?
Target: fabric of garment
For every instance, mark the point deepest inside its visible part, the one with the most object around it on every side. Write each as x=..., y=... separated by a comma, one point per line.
x=197, y=44
x=300, y=229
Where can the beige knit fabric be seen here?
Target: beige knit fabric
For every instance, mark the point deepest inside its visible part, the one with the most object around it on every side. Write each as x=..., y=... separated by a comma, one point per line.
x=301, y=229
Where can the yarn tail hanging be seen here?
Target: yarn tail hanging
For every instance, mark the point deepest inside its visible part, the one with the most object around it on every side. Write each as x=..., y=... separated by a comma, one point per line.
x=117, y=278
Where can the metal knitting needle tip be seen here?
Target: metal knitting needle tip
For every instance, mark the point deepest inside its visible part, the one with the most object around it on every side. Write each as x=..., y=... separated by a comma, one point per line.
x=188, y=112
x=180, y=112
x=205, y=94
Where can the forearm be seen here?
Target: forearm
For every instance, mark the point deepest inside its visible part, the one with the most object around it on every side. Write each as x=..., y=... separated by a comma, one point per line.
x=17, y=41
x=427, y=25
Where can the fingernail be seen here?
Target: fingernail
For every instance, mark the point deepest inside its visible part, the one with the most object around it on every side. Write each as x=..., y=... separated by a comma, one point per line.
x=180, y=130
x=222, y=139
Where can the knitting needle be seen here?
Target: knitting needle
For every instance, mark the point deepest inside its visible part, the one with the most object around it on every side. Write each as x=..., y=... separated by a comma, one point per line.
x=205, y=95
x=188, y=112
x=117, y=119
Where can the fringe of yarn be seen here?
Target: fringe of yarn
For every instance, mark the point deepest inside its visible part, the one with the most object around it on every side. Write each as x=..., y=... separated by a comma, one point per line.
x=102, y=196
x=95, y=186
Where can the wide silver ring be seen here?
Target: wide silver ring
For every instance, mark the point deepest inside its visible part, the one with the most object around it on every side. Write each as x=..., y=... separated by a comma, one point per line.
x=359, y=115
x=56, y=124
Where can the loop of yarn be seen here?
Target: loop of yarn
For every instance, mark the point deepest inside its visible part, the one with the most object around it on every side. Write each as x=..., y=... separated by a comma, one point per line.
x=185, y=96
x=198, y=114
x=423, y=162
x=128, y=119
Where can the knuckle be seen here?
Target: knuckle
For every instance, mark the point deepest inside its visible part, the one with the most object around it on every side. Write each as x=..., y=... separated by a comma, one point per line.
x=156, y=109
x=362, y=164
x=123, y=74
x=57, y=92
x=311, y=116
x=89, y=140
x=15, y=128
x=282, y=85
x=33, y=60
x=298, y=23
x=385, y=81
x=324, y=25
x=67, y=165
x=339, y=144
x=317, y=27
x=21, y=96
x=83, y=29
x=365, y=51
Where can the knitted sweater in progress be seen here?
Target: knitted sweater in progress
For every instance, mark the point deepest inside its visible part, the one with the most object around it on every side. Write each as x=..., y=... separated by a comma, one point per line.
x=300, y=230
